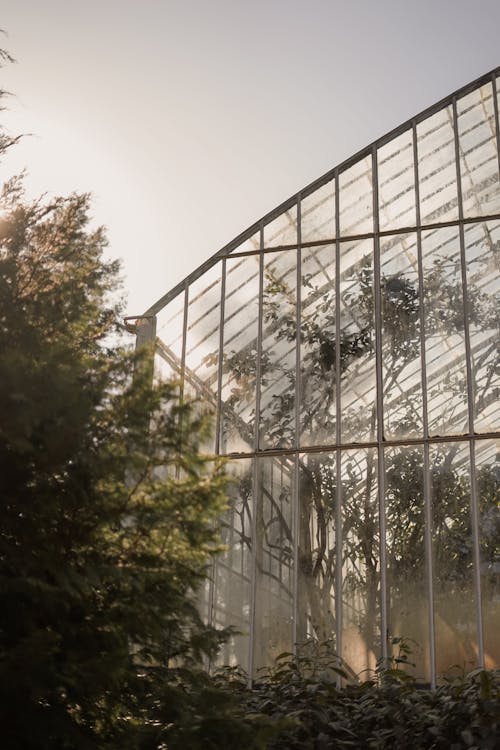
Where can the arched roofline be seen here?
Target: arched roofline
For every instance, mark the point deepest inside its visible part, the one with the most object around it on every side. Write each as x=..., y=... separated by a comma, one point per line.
x=315, y=185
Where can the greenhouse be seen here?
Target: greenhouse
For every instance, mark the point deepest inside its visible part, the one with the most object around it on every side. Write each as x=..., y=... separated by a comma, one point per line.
x=347, y=345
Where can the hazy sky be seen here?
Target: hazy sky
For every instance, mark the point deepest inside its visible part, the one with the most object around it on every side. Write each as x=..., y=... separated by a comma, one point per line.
x=188, y=120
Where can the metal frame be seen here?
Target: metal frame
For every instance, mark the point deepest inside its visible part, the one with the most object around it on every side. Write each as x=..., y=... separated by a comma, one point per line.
x=337, y=446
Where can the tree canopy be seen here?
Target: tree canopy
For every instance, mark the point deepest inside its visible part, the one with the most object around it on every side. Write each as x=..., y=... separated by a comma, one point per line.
x=108, y=507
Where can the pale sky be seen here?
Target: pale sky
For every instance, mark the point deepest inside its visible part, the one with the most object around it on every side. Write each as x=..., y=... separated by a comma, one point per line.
x=189, y=120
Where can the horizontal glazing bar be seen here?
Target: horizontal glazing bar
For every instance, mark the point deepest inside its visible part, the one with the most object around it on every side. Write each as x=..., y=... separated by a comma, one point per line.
x=329, y=447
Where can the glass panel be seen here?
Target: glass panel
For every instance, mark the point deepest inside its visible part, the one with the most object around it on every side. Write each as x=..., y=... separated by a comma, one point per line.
x=169, y=327
x=317, y=214
x=163, y=368
x=202, y=340
x=282, y=230
x=444, y=332
x=252, y=244
x=233, y=570
x=274, y=560
x=478, y=152
x=401, y=364
x=278, y=364
x=360, y=562
x=488, y=491
x=357, y=342
x=437, y=170
x=406, y=562
x=317, y=548
x=317, y=357
x=454, y=599
x=396, y=183
x=241, y=312
x=482, y=252
x=356, y=198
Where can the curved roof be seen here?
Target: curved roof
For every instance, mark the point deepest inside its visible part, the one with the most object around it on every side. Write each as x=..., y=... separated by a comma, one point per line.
x=354, y=180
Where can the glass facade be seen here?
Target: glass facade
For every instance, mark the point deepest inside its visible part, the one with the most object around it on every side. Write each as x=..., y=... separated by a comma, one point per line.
x=348, y=347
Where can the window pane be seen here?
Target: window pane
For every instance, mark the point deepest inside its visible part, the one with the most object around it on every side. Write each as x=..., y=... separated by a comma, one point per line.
x=317, y=390
x=168, y=349
x=202, y=340
x=478, y=152
x=282, y=230
x=482, y=252
x=317, y=548
x=454, y=598
x=233, y=569
x=360, y=561
x=444, y=332
x=437, y=170
x=317, y=214
x=396, y=183
x=252, y=244
x=274, y=560
x=169, y=327
x=406, y=560
x=401, y=363
x=278, y=363
x=356, y=198
x=241, y=312
x=488, y=491
x=357, y=342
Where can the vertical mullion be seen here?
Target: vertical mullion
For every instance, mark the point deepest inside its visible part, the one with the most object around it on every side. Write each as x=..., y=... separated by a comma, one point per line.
x=380, y=410
x=425, y=424
x=470, y=400
x=221, y=358
x=338, y=435
x=497, y=126
x=296, y=492
x=256, y=467
x=211, y=593
x=183, y=364
x=184, y=338
x=259, y=344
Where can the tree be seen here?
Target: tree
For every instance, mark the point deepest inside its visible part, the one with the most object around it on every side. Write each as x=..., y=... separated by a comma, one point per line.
x=108, y=509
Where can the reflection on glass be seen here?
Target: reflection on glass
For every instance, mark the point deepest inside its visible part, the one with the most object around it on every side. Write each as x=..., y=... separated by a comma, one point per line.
x=231, y=598
x=437, y=170
x=357, y=341
x=401, y=366
x=282, y=230
x=317, y=548
x=278, y=362
x=317, y=214
x=273, y=560
x=478, y=152
x=482, y=254
x=454, y=599
x=406, y=560
x=317, y=356
x=360, y=561
x=241, y=312
x=488, y=493
x=356, y=198
x=396, y=183
x=444, y=332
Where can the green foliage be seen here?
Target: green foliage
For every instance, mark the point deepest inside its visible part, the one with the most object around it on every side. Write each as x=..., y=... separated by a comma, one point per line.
x=108, y=513
x=301, y=701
